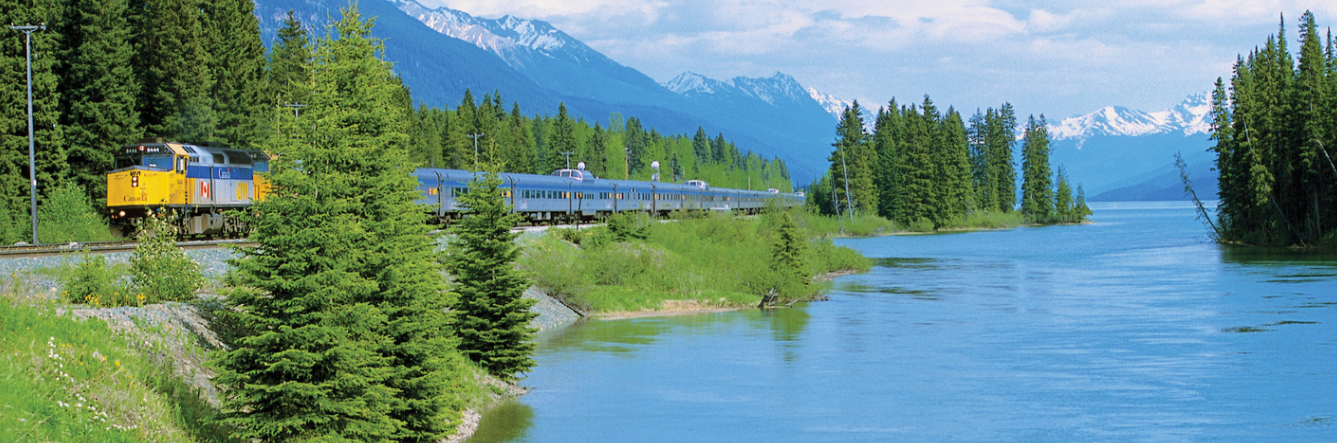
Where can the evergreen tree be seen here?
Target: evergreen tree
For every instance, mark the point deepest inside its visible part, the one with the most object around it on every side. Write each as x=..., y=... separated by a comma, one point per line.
x=787, y=258
x=172, y=68
x=237, y=65
x=852, y=162
x=492, y=315
x=1037, y=200
x=981, y=165
x=342, y=296
x=701, y=145
x=1002, y=140
x=290, y=64
x=561, y=140
x=98, y=90
x=1064, y=208
x=957, y=195
x=888, y=131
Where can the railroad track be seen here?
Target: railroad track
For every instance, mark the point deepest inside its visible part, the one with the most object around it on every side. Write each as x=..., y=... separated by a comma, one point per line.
x=45, y=250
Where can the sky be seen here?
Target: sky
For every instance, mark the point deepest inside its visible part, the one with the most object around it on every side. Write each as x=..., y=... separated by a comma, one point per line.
x=1059, y=58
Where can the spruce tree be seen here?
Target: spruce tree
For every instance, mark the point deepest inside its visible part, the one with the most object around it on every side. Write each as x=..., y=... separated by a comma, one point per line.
x=345, y=308
x=787, y=258
x=888, y=130
x=237, y=64
x=958, y=195
x=1064, y=208
x=172, y=67
x=290, y=64
x=981, y=168
x=98, y=89
x=1036, y=189
x=1003, y=134
x=701, y=144
x=561, y=139
x=492, y=316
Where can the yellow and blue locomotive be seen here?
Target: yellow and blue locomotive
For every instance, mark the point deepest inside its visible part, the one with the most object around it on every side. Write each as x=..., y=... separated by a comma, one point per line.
x=196, y=181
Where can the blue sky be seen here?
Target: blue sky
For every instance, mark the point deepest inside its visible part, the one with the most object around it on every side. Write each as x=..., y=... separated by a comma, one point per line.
x=1053, y=57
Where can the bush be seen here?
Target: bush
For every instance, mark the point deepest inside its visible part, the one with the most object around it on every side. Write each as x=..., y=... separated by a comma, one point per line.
x=160, y=270
x=66, y=216
x=94, y=283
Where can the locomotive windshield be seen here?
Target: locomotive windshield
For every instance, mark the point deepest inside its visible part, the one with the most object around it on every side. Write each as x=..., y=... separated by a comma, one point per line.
x=163, y=162
x=154, y=156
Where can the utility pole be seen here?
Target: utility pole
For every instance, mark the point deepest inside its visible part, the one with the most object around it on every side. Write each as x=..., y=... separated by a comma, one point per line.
x=32, y=163
x=568, y=158
x=295, y=107
x=475, y=137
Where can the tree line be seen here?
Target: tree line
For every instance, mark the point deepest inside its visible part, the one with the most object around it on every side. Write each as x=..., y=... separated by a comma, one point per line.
x=1275, y=125
x=926, y=169
x=112, y=72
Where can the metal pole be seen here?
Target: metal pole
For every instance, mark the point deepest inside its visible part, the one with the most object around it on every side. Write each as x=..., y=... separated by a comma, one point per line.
x=32, y=162
x=295, y=107
x=568, y=158
x=475, y=137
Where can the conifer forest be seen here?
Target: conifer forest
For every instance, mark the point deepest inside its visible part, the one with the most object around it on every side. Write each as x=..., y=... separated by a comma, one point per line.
x=925, y=169
x=1274, y=123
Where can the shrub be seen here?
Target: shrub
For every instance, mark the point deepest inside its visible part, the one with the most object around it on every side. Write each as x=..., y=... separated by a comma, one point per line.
x=160, y=270
x=92, y=282
x=66, y=216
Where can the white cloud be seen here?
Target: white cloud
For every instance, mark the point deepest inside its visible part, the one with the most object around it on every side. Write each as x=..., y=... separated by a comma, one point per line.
x=1070, y=56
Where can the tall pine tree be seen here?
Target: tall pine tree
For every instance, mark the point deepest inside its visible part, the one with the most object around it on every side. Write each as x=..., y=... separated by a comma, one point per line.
x=98, y=89
x=492, y=316
x=346, y=309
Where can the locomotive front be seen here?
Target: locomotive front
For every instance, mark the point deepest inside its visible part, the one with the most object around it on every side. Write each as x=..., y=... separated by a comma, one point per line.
x=196, y=182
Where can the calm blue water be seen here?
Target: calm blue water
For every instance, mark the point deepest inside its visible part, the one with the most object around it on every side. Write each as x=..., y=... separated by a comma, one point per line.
x=1134, y=328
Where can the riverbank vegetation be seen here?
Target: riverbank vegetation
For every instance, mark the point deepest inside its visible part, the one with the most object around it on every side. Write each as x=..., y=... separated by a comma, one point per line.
x=927, y=170
x=1275, y=127
x=634, y=263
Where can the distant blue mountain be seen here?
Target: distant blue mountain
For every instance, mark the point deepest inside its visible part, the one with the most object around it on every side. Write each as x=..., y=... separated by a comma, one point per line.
x=439, y=53
x=1119, y=154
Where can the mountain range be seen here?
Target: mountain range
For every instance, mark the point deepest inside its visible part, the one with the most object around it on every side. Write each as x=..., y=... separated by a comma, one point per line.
x=441, y=52
x=1115, y=152
x=1119, y=154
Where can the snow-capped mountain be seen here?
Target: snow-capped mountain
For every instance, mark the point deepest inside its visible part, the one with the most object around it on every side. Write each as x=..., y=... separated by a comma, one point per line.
x=1125, y=154
x=1189, y=118
x=508, y=36
x=691, y=83
x=777, y=90
x=833, y=105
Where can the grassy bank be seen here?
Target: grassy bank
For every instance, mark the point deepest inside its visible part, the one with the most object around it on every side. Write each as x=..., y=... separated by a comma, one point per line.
x=718, y=261
x=872, y=225
x=80, y=372
x=63, y=379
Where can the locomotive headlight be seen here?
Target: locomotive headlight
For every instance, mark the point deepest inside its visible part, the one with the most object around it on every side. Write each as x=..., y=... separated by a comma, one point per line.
x=134, y=181
x=122, y=213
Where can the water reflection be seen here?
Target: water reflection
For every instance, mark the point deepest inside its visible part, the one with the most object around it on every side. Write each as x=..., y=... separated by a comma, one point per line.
x=509, y=421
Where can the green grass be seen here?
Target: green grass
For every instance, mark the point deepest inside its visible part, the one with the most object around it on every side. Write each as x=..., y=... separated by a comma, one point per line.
x=861, y=226
x=68, y=380
x=712, y=261
x=988, y=220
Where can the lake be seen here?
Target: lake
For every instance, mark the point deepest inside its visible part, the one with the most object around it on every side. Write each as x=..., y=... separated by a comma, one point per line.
x=1135, y=328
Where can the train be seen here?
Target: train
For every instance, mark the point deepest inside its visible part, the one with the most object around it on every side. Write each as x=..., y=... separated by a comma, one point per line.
x=202, y=182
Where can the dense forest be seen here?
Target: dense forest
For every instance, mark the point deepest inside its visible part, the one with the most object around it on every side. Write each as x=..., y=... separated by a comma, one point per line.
x=925, y=169
x=1275, y=124
x=111, y=72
